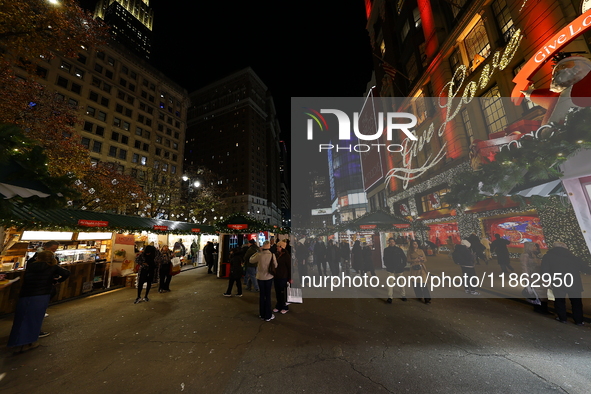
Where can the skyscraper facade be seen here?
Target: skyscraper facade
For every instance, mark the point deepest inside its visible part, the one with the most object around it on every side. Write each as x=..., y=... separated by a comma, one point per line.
x=132, y=115
x=131, y=23
x=233, y=131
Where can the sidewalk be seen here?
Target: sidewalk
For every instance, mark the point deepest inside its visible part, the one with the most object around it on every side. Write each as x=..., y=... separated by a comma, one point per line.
x=495, y=288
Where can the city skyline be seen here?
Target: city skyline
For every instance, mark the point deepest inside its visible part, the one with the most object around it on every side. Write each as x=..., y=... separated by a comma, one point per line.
x=301, y=58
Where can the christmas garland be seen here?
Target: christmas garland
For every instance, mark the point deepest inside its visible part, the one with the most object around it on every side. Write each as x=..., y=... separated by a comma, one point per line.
x=537, y=159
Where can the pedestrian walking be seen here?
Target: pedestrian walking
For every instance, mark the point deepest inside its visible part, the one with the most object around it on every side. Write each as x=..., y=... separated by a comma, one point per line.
x=165, y=269
x=263, y=260
x=486, y=243
x=449, y=243
x=395, y=262
x=250, y=281
x=236, y=272
x=208, y=251
x=477, y=248
x=367, y=260
x=357, y=257
x=345, y=253
x=147, y=267
x=499, y=246
x=561, y=262
x=302, y=253
x=194, y=253
x=418, y=270
x=38, y=282
x=282, y=277
x=464, y=257
x=320, y=257
x=333, y=257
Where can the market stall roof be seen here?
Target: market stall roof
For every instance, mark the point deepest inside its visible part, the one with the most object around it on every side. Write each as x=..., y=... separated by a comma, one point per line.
x=13, y=184
x=239, y=223
x=80, y=220
x=378, y=220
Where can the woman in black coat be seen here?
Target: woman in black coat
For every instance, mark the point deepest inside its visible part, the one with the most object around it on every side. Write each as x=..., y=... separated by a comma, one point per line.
x=39, y=278
x=236, y=272
x=147, y=263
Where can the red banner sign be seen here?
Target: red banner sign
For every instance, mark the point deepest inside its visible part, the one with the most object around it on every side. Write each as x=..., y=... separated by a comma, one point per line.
x=238, y=226
x=124, y=239
x=554, y=45
x=161, y=228
x=92, y=223
x=401, y=225
x=196, y=230
x=367, y=226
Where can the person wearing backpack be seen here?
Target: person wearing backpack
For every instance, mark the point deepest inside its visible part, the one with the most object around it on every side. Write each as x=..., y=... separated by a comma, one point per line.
x=463, y=256
x=395, y=262
x=266, y=267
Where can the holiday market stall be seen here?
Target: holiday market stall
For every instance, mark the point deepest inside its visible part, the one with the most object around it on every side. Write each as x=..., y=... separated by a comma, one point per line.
x=99, y=249
x=375, y=228
x=236, y=230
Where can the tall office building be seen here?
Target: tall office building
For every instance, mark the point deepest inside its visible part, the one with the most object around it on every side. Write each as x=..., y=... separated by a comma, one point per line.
x=232, y=130
x=130, y=22
x=133, y=116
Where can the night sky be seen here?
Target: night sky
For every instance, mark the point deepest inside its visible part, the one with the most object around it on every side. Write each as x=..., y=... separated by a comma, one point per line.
x=298, y=49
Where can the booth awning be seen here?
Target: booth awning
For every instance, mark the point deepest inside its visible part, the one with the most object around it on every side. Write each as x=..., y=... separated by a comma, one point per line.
x=32, y=218
x=378, y=220
x=243, y=224
x=546, y=189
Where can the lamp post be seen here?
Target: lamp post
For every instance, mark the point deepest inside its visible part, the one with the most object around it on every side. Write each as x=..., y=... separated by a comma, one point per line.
x=193, y=186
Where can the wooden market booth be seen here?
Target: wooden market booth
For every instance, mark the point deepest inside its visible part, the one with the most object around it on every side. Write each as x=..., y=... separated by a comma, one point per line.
x=238, y=229
x=375, y=228
x=98, y=249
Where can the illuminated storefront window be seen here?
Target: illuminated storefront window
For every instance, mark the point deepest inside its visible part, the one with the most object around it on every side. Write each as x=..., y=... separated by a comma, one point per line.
x=433, y=200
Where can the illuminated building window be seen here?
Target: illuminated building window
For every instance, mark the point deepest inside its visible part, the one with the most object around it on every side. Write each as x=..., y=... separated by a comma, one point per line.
x=495, y=117
x=433, y=201
x=503, y=18
x=477, y=44
x=467, y=125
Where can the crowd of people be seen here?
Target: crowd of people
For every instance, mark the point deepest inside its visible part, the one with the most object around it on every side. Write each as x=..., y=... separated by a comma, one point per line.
x=262, y=269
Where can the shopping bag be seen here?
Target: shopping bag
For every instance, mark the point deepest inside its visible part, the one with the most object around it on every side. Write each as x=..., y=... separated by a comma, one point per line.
x=551, y=295
x=175, y=269
x=294, y=295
